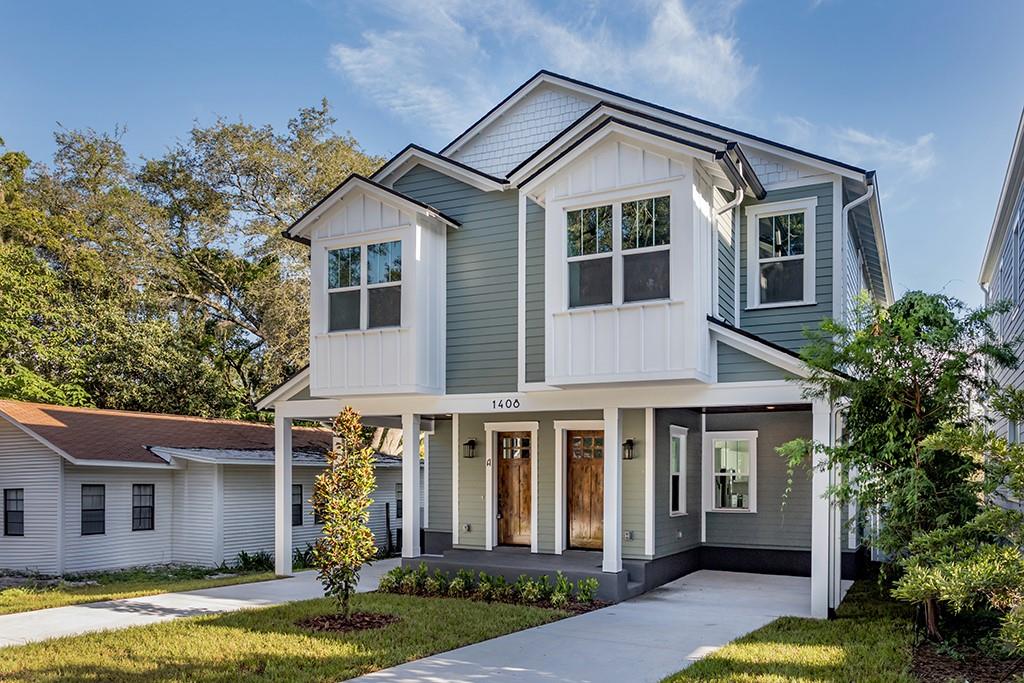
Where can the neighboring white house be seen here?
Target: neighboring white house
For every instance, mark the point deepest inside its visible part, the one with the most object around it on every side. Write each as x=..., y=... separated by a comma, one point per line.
x=87, y=489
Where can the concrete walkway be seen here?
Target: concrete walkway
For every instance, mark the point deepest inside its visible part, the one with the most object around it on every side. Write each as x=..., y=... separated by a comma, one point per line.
x=27, y=627
x=643, y=639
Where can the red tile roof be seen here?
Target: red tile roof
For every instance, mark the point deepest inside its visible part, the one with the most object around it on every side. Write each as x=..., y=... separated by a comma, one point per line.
x=92, y=434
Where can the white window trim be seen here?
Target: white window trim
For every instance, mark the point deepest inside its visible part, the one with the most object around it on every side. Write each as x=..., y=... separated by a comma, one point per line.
x=707, y=470
x=364, y=285
x=617, y=253
x=681, y=433
x=808, y=206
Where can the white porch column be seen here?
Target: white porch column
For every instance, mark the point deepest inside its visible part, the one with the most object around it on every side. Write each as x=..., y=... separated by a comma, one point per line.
x=410, y=485
x=612, y=560
x=822, y=531
x=282, y=496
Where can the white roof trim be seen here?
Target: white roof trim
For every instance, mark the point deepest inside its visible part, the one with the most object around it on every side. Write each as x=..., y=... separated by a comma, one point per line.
x=401, y=164
x=763, y=352
x=629, y=103
x=1004, y=208
x=386, y=194
x=298, y=382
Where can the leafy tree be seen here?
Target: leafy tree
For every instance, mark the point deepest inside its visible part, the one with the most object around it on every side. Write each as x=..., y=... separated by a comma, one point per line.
x=341, y=497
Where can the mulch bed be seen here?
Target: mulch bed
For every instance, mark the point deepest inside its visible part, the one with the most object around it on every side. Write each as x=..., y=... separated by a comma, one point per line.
x=931, y=666
x=357, y=621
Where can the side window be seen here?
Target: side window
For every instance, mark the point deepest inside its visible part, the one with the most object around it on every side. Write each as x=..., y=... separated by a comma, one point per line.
x=730, y=469
x=142, y=507
x=296, y=504
x=14, y=512
x=677, y=470
x=780, y=254
x=94, y=509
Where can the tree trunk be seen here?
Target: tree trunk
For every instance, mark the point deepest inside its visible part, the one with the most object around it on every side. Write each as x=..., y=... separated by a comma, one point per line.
x=931, y=618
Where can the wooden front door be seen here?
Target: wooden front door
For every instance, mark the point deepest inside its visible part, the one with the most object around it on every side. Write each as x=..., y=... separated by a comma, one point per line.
x=515, y=450
x=586, y=489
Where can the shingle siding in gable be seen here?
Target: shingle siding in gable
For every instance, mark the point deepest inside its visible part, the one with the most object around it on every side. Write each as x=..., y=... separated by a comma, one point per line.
x=534, y=292
x=786, y=325
x=482, y=344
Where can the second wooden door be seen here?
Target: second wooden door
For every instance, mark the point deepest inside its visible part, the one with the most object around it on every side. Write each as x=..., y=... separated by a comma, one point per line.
x=515, y=451
x=585, y=493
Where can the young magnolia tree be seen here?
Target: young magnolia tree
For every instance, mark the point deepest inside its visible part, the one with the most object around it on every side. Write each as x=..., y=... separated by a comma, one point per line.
x=910, y=377
x=341, y=498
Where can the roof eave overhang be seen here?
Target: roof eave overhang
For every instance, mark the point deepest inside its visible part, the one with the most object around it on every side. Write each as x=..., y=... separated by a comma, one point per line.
x=285, y=390
x=761, y=349
x=875, y=207
x=1012, y=181
x=297, y=231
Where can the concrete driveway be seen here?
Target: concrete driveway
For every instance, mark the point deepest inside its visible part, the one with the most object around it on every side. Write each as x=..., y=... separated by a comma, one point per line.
x=28, y=627
x=643, y=639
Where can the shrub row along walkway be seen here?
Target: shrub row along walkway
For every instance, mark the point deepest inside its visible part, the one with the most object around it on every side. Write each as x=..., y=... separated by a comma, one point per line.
x=27, y=627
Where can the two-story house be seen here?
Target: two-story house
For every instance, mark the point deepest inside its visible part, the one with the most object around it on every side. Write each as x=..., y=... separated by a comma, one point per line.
x=1002, y=272
x=594, y=304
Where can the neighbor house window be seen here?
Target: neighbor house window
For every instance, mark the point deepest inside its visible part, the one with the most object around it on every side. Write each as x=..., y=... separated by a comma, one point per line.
x=94, y=509
x=398, y=501
x=364, y=286
x=677, y=470
x=14, y=512
x=731, y=471
x=781, y=253
x=296, y=504
x=631, y=238
x=142, y=507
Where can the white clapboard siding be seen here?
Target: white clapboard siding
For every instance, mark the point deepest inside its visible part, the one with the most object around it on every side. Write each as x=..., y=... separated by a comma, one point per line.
x=194, y=538
x=27, y=464
x=119, y=546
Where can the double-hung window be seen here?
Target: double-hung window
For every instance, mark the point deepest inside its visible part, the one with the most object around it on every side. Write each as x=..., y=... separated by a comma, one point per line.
x=364, y=286
x=730, y=471
x=780, y=251
x=677, y=471
x=14, y=512
x=296, y=504
x=142, y=507
x=94, y=509
x=630, y=238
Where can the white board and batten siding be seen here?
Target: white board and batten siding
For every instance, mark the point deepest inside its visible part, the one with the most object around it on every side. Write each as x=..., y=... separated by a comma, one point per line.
x=403, y=359
x=646, y=340
x=27, y=464
x=118, y=546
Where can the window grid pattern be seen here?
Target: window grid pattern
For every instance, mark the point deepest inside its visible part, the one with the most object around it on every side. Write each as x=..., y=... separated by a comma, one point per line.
x=14, y=512
x=364, y=286
x=142, y=507
x=296, y=504
x=94, y=509
x=781, y=256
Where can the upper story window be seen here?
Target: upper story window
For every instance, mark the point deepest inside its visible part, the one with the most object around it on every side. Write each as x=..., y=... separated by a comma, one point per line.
x=364, y=286
x=781, y=254
x=619, y=253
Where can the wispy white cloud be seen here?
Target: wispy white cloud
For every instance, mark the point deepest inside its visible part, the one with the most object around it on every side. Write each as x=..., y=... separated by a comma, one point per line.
x=436, y=63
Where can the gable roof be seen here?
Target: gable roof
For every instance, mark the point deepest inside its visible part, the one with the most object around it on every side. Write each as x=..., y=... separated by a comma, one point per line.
x=413, y=154
x=90, y=435
x=360, y=181
x=1008, y=195
x=601, y=93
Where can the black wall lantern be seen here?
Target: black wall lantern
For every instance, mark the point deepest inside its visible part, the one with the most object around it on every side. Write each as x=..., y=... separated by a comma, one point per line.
x=627, y=449
x=469, y=449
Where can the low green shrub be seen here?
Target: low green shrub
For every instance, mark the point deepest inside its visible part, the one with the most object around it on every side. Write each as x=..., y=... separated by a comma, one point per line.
x=302, y=558
x=436, y=585
x=259, y=561
x=392, y=581
x=586, y=590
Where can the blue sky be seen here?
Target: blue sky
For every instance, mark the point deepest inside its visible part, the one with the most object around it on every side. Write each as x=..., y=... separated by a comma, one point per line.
x=927, y=93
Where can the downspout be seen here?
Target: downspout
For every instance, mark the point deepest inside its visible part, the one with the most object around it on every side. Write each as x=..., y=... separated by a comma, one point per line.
x=869, y=180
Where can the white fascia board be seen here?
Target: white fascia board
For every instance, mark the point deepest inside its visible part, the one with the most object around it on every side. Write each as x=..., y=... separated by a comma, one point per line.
x=875, y=207
x=1004, y=207
x=781, y=360
x=283, y=392
x=631, y=135
x=393, y=197
x=400, y=165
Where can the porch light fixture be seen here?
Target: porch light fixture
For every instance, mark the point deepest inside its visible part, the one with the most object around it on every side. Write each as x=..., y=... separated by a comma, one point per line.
x=627, y=449
x=469, y=449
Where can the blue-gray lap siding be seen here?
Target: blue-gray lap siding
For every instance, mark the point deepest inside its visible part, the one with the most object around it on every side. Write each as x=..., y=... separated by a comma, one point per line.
x=736, y=366
x=682, y=532
x=439, y=466
x=785, y=325
x=726, y=279
x=534, y=292
x=482, y=272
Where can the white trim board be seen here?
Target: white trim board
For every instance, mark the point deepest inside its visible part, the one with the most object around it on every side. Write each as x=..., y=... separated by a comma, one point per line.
x=561, y=451
x=491, y=431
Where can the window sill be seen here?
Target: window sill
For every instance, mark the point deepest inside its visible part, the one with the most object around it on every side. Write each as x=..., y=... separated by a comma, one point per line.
x=623, y=305
x=677, y=514
x=785, y=304
x=733, y=511
x=370, y=330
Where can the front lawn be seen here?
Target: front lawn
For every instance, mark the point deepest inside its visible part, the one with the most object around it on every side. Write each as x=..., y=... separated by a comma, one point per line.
x=870, y=640
x=266, y=645
x=130, y=583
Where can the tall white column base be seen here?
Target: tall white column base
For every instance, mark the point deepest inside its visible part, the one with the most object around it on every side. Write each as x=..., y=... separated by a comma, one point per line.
x=410, y=485
x=612, y=558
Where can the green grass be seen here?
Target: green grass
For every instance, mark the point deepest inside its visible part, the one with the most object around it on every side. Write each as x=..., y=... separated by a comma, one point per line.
x=870, y=640
x=266, y=645
x=131, y=583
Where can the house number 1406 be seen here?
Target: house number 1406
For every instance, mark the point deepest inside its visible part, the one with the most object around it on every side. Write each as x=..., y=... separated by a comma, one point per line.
x=505, y=403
